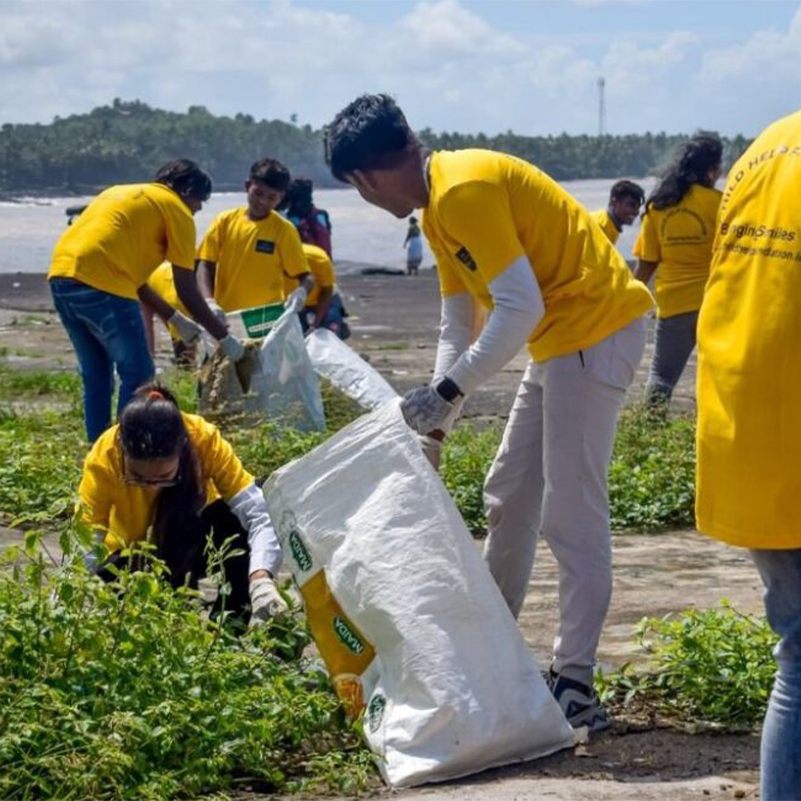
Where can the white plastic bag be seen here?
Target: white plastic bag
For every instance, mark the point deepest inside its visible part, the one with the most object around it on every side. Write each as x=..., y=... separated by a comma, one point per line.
x=346, y=370
x=404, y=611
x=286, y=384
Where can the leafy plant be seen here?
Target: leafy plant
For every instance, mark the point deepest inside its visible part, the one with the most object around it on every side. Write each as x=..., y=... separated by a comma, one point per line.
x=652, y=474
x=126, y=691
x=714, y=665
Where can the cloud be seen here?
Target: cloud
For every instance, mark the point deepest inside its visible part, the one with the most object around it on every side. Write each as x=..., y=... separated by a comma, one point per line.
x=447, y=64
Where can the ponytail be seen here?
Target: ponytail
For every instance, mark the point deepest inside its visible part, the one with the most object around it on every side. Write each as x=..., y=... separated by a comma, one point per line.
x=152, y=427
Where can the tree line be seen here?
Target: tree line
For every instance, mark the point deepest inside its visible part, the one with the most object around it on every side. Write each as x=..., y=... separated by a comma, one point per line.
x=129, y=140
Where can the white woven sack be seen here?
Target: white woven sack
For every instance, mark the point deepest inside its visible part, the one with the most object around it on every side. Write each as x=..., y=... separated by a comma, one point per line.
x=452, y=689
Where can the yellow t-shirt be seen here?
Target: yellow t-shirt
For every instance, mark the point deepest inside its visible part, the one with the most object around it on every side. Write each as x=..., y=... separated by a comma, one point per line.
x=486, y=210
x=126, y=511
x=252, y=258
x=123, y=235
x=161, y=281
x=679, y=239
x=607, y=224
x=749, y=361
x=321, y=267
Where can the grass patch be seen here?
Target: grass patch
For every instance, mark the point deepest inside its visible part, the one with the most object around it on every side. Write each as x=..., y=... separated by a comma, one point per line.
x=126, y=691
x=26, y=384
x=714, y=666
x=652, y=475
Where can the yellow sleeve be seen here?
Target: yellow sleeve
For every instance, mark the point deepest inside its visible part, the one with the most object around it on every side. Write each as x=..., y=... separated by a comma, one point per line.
x=211, y=244
x=477, y=215
x=219, y=462
x=180, y=236
x=95, y=492
x=293, y=259
x=646, y=248
x=322, y=268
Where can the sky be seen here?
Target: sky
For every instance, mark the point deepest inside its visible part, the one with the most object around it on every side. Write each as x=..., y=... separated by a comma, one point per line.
x=531, y=66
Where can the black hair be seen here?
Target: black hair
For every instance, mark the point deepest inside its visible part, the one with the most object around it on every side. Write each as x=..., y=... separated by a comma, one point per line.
x=298, y=198
x=691, y=165
x=369, y=133
x=186, y=178
x=152, y=427
x=271, y=173
x=625, y=188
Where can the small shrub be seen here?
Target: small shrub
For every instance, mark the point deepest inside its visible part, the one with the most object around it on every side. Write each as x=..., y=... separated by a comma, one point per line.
x=652, y=474
x=714, y=665
x=125, y=691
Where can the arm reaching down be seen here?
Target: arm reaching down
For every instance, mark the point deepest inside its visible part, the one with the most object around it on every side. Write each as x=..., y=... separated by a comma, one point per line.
x=265, y=553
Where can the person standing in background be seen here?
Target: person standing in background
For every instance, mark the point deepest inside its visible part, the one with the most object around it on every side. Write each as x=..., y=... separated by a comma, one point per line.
x=675, y=243
x=414, y=247
x=98, y=275
x=748, y=482
x=625, y=200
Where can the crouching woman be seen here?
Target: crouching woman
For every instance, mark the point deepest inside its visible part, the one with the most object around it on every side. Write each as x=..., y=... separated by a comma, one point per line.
x=171, y=478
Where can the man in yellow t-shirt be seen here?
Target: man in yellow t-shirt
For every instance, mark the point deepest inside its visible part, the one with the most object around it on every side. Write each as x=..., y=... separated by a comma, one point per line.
x=247, y=252
x=625, y=201
x=98, y=275
x=675, y=246
x=748, y=490
x=507, y=236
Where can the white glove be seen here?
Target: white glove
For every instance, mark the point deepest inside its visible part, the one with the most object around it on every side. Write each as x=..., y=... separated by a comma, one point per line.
x=232, y=347
x=296, y=300
x=216, y=310
x=187, y=329
x=424, y=409
x=265, y=601
x=432, y=448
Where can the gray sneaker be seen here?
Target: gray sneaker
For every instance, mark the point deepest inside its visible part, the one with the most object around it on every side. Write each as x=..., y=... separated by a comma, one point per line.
x=579, y=702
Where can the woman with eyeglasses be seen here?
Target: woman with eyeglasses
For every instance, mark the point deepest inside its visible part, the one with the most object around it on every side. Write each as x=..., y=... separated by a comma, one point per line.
x=172, y=479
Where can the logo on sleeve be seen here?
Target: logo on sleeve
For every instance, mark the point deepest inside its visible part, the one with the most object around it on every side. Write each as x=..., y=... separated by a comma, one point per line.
x=464, y=256
x=265, y=246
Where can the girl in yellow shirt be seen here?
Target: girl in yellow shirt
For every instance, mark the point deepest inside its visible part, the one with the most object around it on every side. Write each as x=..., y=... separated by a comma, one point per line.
x=675, y=243
x=172, y=479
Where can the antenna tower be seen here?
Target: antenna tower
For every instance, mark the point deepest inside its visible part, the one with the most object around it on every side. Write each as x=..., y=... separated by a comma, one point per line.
x=601, y=106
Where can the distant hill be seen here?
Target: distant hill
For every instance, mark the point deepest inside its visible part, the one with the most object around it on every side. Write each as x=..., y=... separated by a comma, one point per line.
x=128, y=141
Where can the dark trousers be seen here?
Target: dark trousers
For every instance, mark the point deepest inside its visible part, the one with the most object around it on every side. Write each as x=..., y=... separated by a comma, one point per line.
x=187, y=561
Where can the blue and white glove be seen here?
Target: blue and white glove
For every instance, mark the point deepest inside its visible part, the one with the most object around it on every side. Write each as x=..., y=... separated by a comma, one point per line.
x=426, y=408
x=232, y=347
x=187, y=329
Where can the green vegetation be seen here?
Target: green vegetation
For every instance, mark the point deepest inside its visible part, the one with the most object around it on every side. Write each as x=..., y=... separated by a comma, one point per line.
x=129, y=141
x=712, y=665
x=127, y=691
x=652, y=474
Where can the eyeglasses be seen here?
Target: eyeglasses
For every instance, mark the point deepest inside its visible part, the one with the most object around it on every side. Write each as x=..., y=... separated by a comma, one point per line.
x=158, y=483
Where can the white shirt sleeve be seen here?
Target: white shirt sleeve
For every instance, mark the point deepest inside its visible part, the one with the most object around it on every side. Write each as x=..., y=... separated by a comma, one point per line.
x=517, y=310
x=251, y=511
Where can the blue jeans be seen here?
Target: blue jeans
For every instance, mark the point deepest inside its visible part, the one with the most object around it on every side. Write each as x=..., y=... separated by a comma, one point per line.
x=675, y=340
x=781, y=733
x=106, y=331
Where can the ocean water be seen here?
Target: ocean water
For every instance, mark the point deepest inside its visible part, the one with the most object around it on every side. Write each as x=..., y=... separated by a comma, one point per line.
x=361, y=233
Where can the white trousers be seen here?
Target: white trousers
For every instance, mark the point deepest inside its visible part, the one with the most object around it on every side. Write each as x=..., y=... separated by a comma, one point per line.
x=550, y=475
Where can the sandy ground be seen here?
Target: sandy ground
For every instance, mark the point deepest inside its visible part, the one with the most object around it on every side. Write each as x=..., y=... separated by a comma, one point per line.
x=394, y=323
